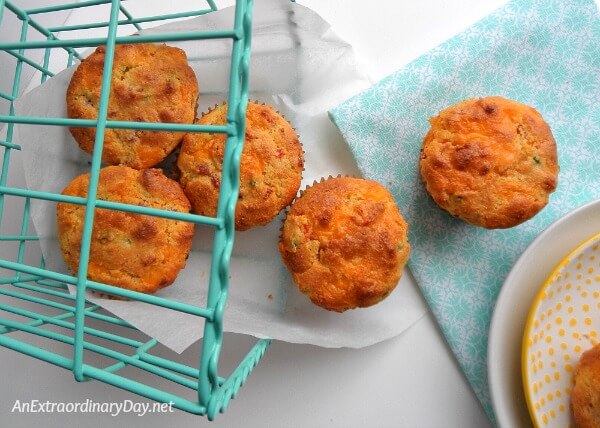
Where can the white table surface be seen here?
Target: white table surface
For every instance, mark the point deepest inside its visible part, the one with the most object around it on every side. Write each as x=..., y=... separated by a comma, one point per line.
x=410, y=381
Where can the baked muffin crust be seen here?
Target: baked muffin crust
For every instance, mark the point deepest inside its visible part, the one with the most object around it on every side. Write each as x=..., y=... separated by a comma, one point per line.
x=585, y=396
x=138, y=252
x=271, y=166
x=490, y=161
x=345, y=243
x=150, y=83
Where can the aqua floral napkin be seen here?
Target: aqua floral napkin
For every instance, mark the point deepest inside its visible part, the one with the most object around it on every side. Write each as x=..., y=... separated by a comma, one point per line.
x=543, y=53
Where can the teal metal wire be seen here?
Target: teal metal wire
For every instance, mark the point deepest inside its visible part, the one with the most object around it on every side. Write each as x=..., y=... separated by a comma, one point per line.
x=217, y=295
x=39, y=290
x=90, y=207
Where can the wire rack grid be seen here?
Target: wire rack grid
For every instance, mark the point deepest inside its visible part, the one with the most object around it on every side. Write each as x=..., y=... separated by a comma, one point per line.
x=36, y=304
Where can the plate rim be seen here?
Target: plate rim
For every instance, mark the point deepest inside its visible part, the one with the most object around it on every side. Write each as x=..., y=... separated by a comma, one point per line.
x=503, y=418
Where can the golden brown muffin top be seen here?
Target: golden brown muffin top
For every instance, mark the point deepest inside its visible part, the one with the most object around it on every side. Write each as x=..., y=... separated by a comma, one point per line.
x=150, y=83
x=490, y=161
x=271, y=166
x=585, y=398
x=345, y=243
x=133, y=251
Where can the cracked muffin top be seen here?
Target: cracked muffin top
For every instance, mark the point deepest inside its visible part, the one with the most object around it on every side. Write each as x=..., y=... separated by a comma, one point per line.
x=271, y=166
x=490, y=161
x=138, y=252
x=149, y=83
x=345, y=243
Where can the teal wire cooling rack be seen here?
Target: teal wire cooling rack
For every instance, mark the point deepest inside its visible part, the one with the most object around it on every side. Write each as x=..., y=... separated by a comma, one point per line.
x=35, y=304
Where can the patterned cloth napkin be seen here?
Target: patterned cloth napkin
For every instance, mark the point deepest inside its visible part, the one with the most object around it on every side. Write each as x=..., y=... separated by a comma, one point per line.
x=543, y=53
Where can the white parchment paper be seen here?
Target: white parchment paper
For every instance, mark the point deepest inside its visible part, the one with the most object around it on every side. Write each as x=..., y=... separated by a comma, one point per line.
x=301, y=68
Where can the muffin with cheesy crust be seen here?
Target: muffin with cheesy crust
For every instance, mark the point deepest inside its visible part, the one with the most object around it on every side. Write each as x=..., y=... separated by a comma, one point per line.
x=271, y=166
x=149, y=83
x=133, y=251
x=490, y=161
x=585, y=395
x=345, y=243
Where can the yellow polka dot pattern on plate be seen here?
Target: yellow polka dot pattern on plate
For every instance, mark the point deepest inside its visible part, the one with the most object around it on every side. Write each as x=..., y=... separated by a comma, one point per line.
x=562, y=324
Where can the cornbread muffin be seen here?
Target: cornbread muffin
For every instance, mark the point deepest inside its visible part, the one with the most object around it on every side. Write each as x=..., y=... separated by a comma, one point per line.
x=150, y=83
x=345, y=243
x=133, y=251
x=585, y=397
x=270, y=167
x=490, y=161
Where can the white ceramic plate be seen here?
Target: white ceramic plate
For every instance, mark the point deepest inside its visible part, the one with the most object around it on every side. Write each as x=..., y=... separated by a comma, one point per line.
x=560, y=326
x=513, y=304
